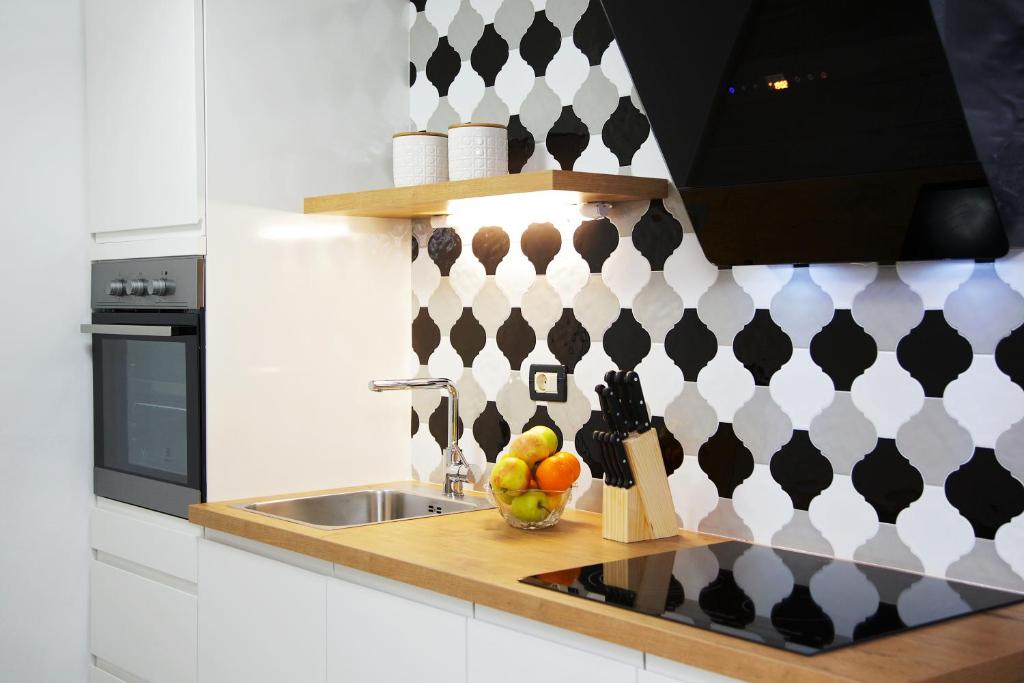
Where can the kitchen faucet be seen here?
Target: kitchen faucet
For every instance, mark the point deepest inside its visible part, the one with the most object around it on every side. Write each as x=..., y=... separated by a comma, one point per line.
x=455, y=469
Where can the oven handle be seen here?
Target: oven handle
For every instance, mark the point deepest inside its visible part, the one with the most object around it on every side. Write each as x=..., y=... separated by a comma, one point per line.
x=138, y=330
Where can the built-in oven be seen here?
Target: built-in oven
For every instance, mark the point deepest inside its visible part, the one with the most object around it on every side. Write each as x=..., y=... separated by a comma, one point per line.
x=147, y=332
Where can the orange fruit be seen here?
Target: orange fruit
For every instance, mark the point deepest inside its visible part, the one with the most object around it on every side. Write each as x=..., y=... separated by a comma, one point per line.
x=558, y=472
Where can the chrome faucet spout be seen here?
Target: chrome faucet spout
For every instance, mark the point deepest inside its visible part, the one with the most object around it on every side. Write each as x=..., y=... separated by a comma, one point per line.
x=456, y=472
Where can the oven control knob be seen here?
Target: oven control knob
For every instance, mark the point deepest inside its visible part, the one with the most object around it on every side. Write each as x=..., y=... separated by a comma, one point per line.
x=117, y=288
x=161, y=287
x=138, y=287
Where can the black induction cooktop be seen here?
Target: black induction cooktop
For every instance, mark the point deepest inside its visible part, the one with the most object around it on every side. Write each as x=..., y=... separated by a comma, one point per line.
x=789, y=600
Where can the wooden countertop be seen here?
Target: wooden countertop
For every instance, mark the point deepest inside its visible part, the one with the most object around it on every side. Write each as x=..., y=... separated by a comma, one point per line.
x=475, y=556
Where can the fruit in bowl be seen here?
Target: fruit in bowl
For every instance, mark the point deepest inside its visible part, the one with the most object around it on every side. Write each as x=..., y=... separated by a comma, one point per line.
x=531, y=483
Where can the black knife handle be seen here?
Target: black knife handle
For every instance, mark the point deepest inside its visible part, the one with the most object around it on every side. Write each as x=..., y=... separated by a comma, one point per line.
x=635, y=403
x=602, y=400
x=616, y=412
x=623, y=459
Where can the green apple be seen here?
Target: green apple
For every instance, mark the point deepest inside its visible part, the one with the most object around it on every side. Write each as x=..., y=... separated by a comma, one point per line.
x=532, y=506
x=509, y=477
x=533, y=445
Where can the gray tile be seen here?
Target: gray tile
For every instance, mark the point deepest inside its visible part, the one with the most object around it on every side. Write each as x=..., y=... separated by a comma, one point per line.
x=724, y=521
x=514, y=404
x=762, y=426
x=934, y=442
x=984, y=309
x=800, y=534
x=572, y=414
x=422, y=41
x=443, y=116
x=540, y=109
x=725, y=308
x=657, y=307
x=842, y=433
x=983, y=565
x=886, y=549
x=472, y=401
x=596, y=307
x=1010, y=450
x=444, y=307
x=565, y=14
x=691, y=419
x=491, y=107
x=888, y=309
x=801, y=308
x=595, y=101
x=491, y=307
x=512, y=19
x=542, y=306
x=465, y=30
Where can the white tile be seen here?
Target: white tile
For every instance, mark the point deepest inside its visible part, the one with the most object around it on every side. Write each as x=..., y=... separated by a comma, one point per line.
x=801, y=389
x=725, y=384
x=762, y=504
x=984, y=400
x=567, y=71
x=842, y=515
x=887, y=395
x=663, y=379
x=693, y=493
x=1010, y=543
x=933, y=529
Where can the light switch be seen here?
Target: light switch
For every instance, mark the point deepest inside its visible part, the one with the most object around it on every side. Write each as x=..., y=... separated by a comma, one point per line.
x=548, y=383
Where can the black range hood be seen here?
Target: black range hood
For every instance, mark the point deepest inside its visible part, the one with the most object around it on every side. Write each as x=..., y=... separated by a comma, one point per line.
x=803, y=131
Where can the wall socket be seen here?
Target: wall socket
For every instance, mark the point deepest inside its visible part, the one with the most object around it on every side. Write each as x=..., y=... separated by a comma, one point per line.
x=548, y=383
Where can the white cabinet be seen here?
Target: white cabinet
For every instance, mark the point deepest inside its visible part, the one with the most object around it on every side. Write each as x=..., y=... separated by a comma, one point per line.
x=260, y=620
x=144, y=120
x=502, y=655
x=372, y=635
x=144, y=627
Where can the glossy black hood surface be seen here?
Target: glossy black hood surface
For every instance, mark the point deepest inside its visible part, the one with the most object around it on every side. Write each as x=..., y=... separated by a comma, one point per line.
x=803, y=131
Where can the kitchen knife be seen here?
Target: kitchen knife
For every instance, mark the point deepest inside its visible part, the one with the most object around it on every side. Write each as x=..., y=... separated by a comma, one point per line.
x=620, y=454
x=634, y=402
x=602, y=400
x=615, y=411
x=613, y=463
x=601, y=453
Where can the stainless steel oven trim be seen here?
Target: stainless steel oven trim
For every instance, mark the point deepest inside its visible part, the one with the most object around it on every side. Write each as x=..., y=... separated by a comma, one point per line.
x=161, y=496
x=135, y=330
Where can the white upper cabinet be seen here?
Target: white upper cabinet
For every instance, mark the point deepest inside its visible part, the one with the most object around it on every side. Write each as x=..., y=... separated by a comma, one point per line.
x=144, y=116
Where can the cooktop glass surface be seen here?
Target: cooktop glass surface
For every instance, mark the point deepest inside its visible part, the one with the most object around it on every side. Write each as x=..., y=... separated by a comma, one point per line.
x=789, y=600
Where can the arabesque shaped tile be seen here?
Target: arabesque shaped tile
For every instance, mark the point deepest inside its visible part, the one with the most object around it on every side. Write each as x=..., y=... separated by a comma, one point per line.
x=762, y=347
x=491, y=307
x=887, y=395
x=445, y=361
x=843, y=281
x=916, y=605
x=762, y=504
x=799, y=534
x=487, y=8
x=444, y=247
x=597, y=158
x=1002, y=500
x=724, y=521
x=934, y=281
x=725, y=460
x=842, y=515
x=467, y=337
x=691, y=418
x=762, y=282
x=801, y=470
x=491, y=370
x=626, y=341
x=491, y=431
x=935, y=531
x=443, y=116
x=540, y=43
x=625, y=215
x=565, y=14
x=657, y=307
x=762, y=575
x=934, y=443
x=425, y=456
x=514, y=403
x=690, y=344
x=1009, y=450
x=625, y=131
x=590, y=372
x=465, y=29
x=934, y=354
x=425, y=336
x=1010, y=356
x=471, y=398
x=540, y=243
x=540, y=109
x=888, y=309
x=662, y=380
x=801, y=308
x=490, y=246
x=982, y=564
x=689, y=272
x=596, y=307
x=726, y=384
x=424, y=402
x=541, y=160
x=843, y=350
x=725, y=308
x=694, y=494
x=648, y=162
x=568, y=274
x=845, y=594
x=513, y=19
x=801, y=389
x=542, y=306
x=887, y=480
x=521, y=145
x=514, y=81
x=886, y=549
x=762, y=426
x=441, y=12
x=516, y=338
x=1009, y=543
x=626, y=272
x=567, y=71
x=489, y=54
x=595, y=100
x=465, y=94
x=568, y=340
x=443, y=66
x=574, y=413
x=1010, y=270
x=592, y=33
x=984, y=309
x=423, y=101
x=466, y=277
x=567, y=139
x=985, y=401
x=444, y=307
x=515, y=276
x=595, y=240
x=657, y=234
x=422, y=41
x=842, y=433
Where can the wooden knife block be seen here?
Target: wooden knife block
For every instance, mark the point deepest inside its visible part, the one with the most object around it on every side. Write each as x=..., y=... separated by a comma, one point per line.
x=645, y=510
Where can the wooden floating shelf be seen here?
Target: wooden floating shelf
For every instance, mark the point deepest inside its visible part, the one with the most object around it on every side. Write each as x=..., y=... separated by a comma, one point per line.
x=559, y=187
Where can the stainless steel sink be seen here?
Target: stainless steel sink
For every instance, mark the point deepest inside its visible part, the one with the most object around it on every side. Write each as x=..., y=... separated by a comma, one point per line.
x=371, y=506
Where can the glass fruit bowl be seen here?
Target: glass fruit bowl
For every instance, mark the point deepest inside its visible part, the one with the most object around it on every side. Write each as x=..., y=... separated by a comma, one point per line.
x=531, y=508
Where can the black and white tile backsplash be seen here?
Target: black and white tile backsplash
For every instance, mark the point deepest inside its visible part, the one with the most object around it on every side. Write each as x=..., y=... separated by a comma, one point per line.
x=871, y=412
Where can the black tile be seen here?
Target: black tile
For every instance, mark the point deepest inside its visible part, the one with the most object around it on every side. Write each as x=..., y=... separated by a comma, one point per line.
x=489, y=54
x=690, y=344
x=762, y=347
x=414, y=422
x=671, y=449
x=592, y=34
x=412, y=74
x=540, y=243
x=467, y=337
x=725, y=460
x=541, y=417
x=516, y=338
x=887, y=480
x=520, y=144
x=801, y=470
x=425, y=335
x=1010, y=355
x=657, y=234
x=625, y=130
x=540, y=43
x=415, y=247
x=491, y=431
x=843, y=350
x=567, y=138
x=438, y=423
x=490, y=246
x=595, y=241
x=626, y=342
x=420, y=5
x=443, y=66
x=934, y=353
x=444, y=247
x=586, y=447
x=568, y=340
x=985, y=493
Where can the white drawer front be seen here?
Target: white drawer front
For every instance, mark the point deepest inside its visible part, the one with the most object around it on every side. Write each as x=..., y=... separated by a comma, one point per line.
x=148, y=538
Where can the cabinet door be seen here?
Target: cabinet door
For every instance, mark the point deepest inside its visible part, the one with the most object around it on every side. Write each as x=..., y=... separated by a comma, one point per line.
x=260, y=620
x=501, y=655
x=143, y=114
x=373, y=635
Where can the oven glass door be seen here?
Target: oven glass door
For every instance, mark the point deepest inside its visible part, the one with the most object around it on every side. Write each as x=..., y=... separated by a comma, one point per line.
x=147, y=372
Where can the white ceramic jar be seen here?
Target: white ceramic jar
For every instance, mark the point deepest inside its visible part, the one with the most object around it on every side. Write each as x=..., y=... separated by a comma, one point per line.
x=477, y=150
x=419, y=158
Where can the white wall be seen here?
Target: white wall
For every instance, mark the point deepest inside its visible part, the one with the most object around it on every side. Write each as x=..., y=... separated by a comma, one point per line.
x=45, y=368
